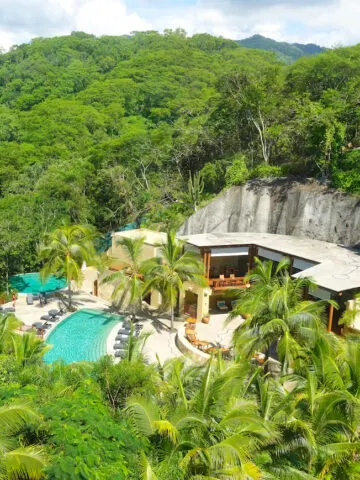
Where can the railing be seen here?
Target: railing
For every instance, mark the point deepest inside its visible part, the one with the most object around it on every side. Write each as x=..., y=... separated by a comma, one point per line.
x=223, y=283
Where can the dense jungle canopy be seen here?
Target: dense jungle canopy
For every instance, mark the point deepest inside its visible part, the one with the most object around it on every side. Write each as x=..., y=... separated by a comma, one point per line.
x=107, y=130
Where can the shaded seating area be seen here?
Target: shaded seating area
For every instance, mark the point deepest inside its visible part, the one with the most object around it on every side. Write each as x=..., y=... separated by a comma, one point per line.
x=205, y=346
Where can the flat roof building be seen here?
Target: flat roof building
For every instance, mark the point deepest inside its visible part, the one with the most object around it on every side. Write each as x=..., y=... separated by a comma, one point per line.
x=228, y=257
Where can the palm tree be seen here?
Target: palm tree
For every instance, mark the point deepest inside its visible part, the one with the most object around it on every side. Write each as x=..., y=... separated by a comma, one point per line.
x=8, y=325
x=277, y=315
x=64, y=251
x=28, y=348
x=171, y=270
x=129, y=279
x=203, y=421
x=17, y=462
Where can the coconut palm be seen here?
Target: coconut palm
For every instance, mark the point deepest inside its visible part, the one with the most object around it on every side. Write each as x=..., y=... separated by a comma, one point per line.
x=128, y=281
x=18, y=462
x=64, y=251
x=171, y=270
x=277, y=315
x=203, y=420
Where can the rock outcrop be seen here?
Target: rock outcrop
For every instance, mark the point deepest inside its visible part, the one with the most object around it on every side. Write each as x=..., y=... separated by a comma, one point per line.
x=302, y=208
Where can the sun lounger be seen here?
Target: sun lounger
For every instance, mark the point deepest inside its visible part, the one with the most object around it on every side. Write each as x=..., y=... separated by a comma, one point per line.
x=55, y=313
x=122, y=337
x=221, y=305
x=47, y=318
x=41, y=325
x=30, y=299
x=123, y=331
x=9, y=309
x=120, y=353
x=119, y=346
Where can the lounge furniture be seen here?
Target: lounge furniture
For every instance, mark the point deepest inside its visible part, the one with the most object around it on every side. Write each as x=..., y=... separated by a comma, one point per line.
x=233, y=304
x=30, y=299
x=41, y=325
x=56, y=313
x=123, y=331
x=120, y=353
x=190, y=326
x=191, y=320
x=122, y=337
x=119, y=346
x=48, y=318
x=203, y=345
x=221, y=305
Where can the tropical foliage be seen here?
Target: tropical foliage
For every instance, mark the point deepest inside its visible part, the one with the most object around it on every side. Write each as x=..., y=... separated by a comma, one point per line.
x=64, y=252
x=104, y=131
x=128, y=279
x=171, y=269
x=228, y=419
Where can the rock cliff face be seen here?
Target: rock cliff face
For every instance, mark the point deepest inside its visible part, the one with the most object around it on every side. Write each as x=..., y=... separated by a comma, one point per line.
x=301, y=208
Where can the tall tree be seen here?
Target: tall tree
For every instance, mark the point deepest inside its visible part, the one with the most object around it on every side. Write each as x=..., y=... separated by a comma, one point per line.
x=128, y=280
x=277, y=314
x=64, y=251
x=172, y=269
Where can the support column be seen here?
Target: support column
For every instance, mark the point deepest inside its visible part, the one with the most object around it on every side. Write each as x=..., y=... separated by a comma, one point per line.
x=155, y=299
x=306, y=293
x=250, y=258
x=291, y=266
x=331, y=314
x=202, y=304
x=206, y=260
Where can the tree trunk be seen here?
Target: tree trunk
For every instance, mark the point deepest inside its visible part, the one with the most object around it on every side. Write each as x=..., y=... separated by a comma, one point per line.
x=69, y=294
x=172, y=319
x=172, y=311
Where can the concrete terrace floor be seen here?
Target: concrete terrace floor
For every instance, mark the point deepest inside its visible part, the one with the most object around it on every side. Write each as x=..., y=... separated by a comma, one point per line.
x=217, y=331
x=161, y=342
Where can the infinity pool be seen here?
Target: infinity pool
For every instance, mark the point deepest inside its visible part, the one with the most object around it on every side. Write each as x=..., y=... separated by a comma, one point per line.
x=31, y=283
x=81, y=336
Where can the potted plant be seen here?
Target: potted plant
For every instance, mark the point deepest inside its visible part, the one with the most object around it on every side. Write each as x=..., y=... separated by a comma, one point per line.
x=206, y=318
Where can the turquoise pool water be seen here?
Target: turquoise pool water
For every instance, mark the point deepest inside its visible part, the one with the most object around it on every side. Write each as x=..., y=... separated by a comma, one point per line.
x=81, y=336
x=31, y=283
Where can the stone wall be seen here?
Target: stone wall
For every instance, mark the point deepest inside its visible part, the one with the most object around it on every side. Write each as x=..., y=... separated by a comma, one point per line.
x=289, y=207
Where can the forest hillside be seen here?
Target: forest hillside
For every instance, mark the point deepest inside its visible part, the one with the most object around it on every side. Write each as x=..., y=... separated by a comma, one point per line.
x=146, y=127
x=286, y=52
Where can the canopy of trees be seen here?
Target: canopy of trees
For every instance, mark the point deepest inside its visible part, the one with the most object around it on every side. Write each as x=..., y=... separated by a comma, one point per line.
x=286, y=52
x=108, y=130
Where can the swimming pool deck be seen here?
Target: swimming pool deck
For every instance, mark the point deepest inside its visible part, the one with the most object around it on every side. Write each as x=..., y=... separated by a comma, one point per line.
x=161, y=342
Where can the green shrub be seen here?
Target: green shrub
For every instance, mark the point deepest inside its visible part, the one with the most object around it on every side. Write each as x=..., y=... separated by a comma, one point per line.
x=237, y=173
x=122, y=380
x=213, y=175
x=266, y=171
x=346, y=175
